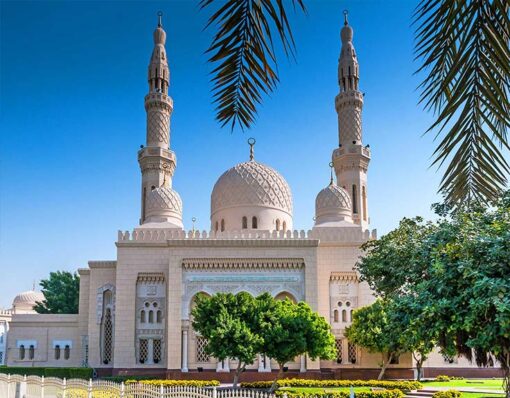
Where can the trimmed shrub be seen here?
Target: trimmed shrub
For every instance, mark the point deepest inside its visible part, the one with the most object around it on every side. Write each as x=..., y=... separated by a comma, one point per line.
x=177, y=383
x=390, y=385
x=62, y=373
x=442, y=378
x=447, y=394
x=345, y=394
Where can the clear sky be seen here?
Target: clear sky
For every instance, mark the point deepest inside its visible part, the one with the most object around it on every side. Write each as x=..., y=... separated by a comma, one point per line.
x=73, y=79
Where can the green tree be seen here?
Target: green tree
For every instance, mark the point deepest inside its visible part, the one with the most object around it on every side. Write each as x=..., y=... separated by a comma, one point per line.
x=460, y=287
x=290, y=330
x=372, y=328
x=229, y=323
x=61, y=294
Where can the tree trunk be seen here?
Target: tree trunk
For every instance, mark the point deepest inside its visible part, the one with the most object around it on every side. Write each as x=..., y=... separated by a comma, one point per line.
x=237, y=374
x=275, y=385
x=419, y=365
x=384, y=366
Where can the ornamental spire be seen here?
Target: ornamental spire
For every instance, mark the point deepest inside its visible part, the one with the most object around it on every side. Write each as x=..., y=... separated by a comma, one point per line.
x=348, y=68
x=251, y=143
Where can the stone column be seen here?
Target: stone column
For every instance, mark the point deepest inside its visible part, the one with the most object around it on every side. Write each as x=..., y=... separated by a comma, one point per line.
x=184, y=367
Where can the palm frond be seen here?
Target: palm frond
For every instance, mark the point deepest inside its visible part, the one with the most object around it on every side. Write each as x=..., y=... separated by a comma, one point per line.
x=464, y=48
x=244, y=56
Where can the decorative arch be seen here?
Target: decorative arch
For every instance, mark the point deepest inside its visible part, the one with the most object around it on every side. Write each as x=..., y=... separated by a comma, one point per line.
x=284, y=295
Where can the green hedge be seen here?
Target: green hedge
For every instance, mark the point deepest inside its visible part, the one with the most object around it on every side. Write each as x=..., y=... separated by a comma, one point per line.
x=346, y=394
x=67, y=373
x=447, y=394
x=390, y=385
x=177, y=383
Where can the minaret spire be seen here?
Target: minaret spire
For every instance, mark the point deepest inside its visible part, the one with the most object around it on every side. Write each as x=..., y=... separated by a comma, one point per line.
x=351, y=158
x=157, y=161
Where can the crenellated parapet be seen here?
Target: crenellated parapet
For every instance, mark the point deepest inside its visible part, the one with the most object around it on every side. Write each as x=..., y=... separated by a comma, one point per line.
x=347, y=235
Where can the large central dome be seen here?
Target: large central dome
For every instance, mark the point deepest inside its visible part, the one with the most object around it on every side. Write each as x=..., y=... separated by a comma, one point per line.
x=251, y=195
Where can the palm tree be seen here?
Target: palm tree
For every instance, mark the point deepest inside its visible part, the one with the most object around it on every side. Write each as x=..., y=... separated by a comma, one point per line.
x=465, y=54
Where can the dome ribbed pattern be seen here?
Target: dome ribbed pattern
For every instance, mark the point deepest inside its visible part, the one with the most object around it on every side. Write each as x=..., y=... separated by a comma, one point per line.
x=332, y=199
x=28, y=298
x=251, y=184
x=163, y=199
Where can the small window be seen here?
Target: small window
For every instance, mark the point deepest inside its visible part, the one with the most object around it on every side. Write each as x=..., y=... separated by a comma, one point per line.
x=335, y=315
x=348, y=303
x=277, y=224
x=142, y=316
x=151, y=317
x=352, y=313
x=351, y=351
x=216, y=226
x=21, y=352
x=57, y=352
x=245, y=222
x=159, y=317
x=222, y=225
x=284, y=226
x=147, y=305
x=67, y=352
x=144, y=350
x=254, y=222
x=156, y=350
x=354, y=199
x=31, y=352
x=344, y=316
x=339, y=303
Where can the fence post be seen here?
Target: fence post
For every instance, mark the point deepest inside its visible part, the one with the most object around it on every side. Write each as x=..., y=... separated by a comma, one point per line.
x=64, y=385
x=23, y=387
x=122, y=390
x=161, y=391
x=8, y=386
x=214, y=392
x=42, y=386
x=89, y=389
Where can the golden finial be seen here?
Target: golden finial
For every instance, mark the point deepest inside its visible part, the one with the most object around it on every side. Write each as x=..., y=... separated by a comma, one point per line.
x=346, y=12
x=251, y=143
x=331, y=173
x=160, y=23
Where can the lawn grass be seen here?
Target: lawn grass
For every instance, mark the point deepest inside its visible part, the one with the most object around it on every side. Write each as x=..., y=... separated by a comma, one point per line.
x=489, y=384
x=319, y=390
x=481, y=395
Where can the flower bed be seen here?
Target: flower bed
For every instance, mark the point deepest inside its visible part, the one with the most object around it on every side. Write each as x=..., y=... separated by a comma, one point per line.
x=395, y=393
x=177, y=383
x=390, y=385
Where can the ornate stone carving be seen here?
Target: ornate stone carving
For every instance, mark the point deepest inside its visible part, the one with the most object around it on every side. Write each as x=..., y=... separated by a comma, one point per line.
x=243, y=263
x=332, y=198
x=163, y=198
x=251, y=183
x=349, y=124
x=158, y=127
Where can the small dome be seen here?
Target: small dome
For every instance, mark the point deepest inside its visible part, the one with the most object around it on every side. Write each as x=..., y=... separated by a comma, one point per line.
x=25, y=301
x=346, y=34
x=252, y=189
x=163, y=204
x=333, y=203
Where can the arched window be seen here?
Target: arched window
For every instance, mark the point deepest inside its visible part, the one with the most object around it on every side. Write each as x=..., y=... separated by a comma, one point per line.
x=67, y=352
x=277, y=224
x=354, y=199
x=151, y=316
x=216, y=226
x=159, y=316
x=254, y=222
x=284, y=226
x=142, y=316
x=352, y=313
x=21, y=352
x=364, y=199
x=344, y=316
x=245, y=222
x=31, y=352
x=222, y=225
x=335, y=315
x=57, y=352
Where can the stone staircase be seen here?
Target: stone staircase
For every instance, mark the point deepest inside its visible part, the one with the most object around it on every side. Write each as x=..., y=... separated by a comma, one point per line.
x=420, y=394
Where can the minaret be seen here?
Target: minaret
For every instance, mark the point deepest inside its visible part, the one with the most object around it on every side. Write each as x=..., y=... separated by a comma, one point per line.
x=160, y=203
x=351, y=158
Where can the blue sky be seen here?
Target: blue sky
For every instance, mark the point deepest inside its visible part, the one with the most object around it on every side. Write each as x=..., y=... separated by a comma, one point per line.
x=73, y=78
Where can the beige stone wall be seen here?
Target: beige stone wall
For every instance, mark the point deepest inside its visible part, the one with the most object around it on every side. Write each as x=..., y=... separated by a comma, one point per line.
x=44, y=329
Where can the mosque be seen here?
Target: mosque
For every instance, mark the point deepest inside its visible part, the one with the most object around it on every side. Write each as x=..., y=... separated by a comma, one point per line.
x=134, y=311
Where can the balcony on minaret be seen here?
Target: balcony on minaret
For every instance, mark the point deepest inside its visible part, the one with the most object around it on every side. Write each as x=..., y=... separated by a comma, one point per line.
x=355, y=149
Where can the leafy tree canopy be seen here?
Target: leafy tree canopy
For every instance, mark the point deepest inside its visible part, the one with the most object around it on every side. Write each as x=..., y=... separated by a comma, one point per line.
x=61, y=294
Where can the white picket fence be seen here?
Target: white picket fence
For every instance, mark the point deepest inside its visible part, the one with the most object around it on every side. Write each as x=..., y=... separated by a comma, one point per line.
x=16, y=386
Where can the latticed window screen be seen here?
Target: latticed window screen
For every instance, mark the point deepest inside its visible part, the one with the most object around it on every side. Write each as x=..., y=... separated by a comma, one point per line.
x=107, y=337
x=201, y=354
x=156, y=351
x=351, y=352
x=338, y=344
x=143, y=350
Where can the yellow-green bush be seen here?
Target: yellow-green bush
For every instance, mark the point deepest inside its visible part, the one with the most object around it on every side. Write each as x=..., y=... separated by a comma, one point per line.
x=390, y=385
x=447, y=394
x=177, y=383
x=344, y=394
